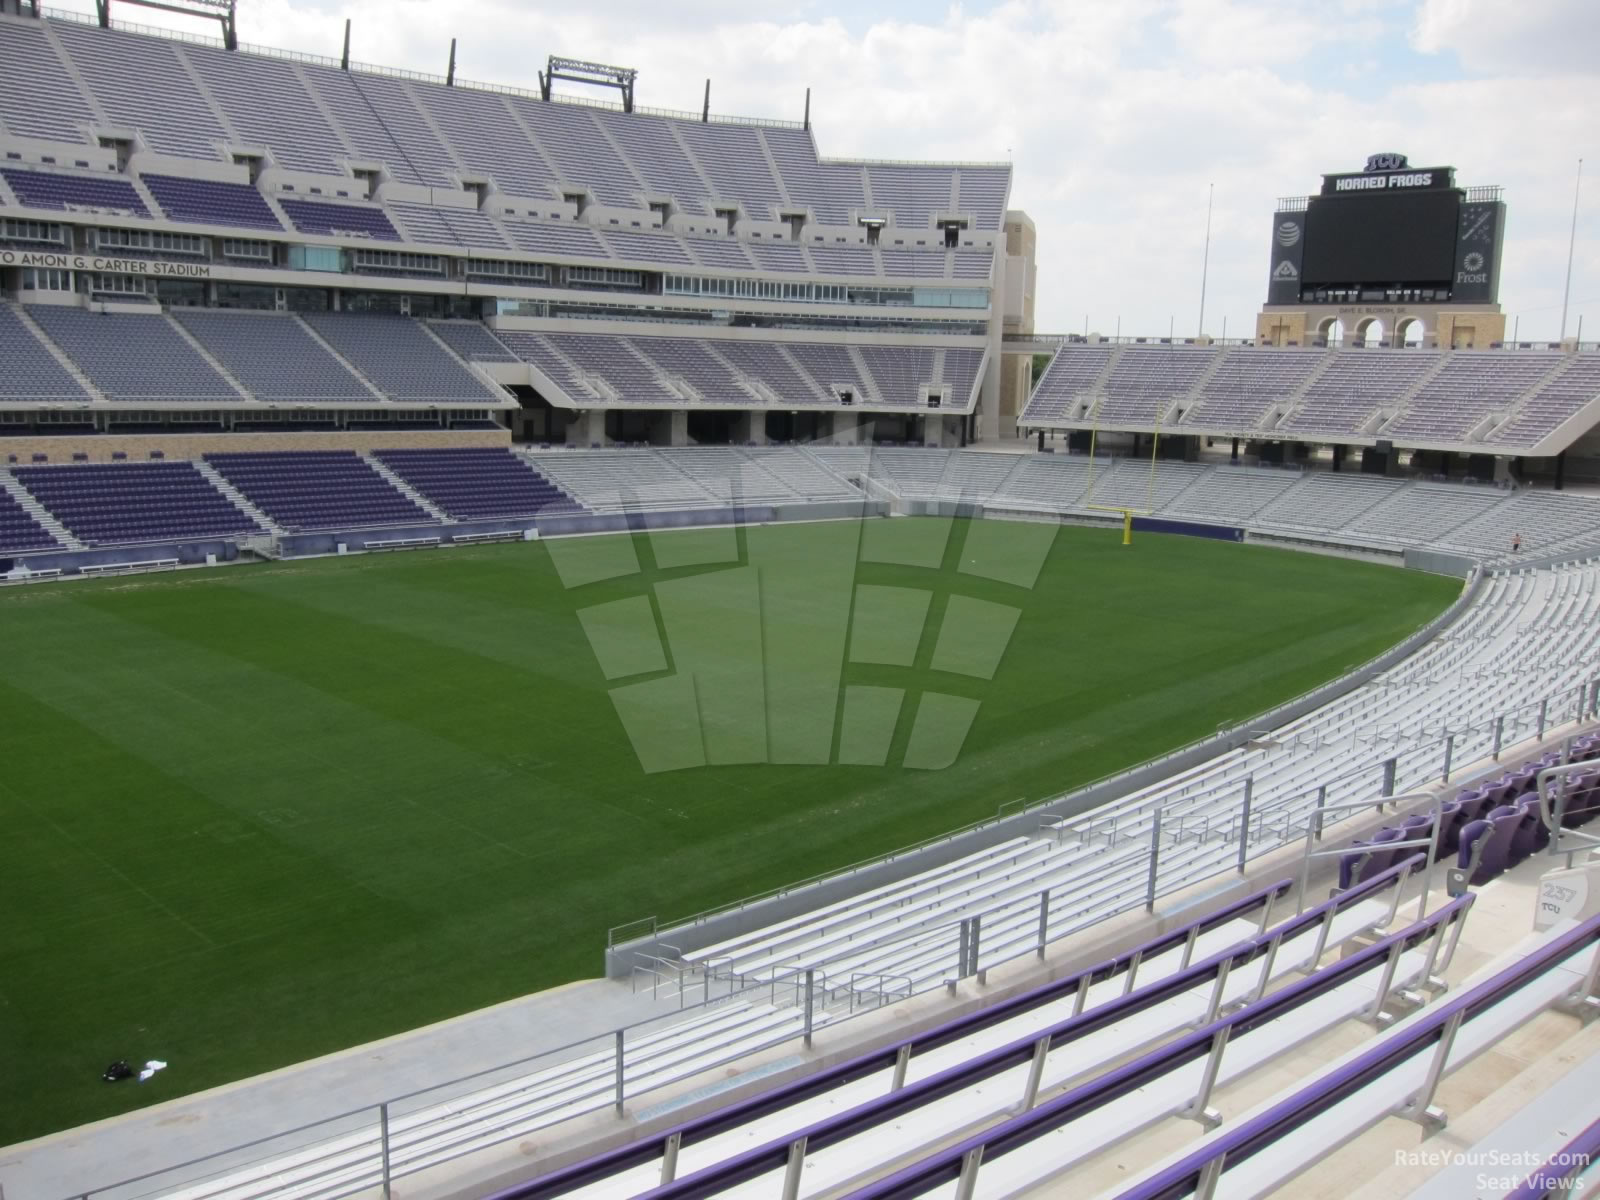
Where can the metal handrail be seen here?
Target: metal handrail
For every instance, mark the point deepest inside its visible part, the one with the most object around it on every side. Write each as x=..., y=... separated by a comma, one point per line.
x=1198, y=1173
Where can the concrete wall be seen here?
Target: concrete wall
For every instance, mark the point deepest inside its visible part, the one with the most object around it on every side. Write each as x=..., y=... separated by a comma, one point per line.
x=100, y=446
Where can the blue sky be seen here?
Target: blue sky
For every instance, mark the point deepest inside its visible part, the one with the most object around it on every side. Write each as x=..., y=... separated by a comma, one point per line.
x=1117, y=114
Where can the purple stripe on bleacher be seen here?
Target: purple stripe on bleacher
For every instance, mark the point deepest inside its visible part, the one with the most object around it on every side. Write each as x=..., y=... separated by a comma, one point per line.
x=1553, y=1180
x=756, y=1161
x=1248, y=1137
x=945, y=1165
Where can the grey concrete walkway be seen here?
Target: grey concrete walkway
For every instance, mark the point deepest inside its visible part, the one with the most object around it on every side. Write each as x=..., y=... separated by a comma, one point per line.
x=155, y=1138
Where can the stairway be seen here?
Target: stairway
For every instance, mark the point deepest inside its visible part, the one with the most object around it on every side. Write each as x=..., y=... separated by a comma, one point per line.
x=57, y=353
x=211, y=360
x=238, y=498
x=406, y=490
x=344, y=362
x=39, y=512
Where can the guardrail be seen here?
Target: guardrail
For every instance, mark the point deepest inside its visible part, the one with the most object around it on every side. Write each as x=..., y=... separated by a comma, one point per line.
x=1199, y=1173
x=961, y=1163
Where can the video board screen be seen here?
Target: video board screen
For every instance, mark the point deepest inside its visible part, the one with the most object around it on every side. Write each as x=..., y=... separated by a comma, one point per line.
x=1381, y=238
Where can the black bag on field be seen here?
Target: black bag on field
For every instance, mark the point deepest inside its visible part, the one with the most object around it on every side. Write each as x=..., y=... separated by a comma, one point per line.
x=118, y=1071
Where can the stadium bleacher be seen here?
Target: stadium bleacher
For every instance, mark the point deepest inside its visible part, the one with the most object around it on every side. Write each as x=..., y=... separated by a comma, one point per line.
x=273, y=356
x=20, y=531
x=64, y=192
x=317, y=489
x=400, y=358
x=206, y=202
x=32, y=372
x=1500, y=398
x=429, y=135
x=1363, y=512
x=336, y=220
x=108, y=503
x=1009, y=1095
x=134, y=357
x=476, y=483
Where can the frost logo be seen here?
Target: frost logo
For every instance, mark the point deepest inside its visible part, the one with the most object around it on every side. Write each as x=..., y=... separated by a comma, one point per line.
x=866, y=642
x=1472, y=262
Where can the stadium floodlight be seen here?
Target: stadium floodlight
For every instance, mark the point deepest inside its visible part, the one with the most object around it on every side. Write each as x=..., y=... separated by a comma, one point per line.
x=578, y=70
x=220, y=10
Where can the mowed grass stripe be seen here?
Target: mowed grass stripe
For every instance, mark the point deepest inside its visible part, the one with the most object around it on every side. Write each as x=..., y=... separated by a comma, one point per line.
x=394, y=788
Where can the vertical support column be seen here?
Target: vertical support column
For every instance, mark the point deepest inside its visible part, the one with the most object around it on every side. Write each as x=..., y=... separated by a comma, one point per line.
x=810, y=1002
x=669, y=1158
x=1188, y=948
x=1316, y=817
x=1214, y=1008
x=972, y=947
x=1155, y=863
x=1044, y=920
x=1390, y=765
x=1030, y=1092
x=1244, y=821
x=902, y=1063
x=618, y=1069
x=1200, y=1107
x=793, y=1168
x=383, y=1134
x=1420, y=1108
x=1080, y=997
x=1376, y=1013
x=1499, y=735
x=967, y=1184
x=1449, y=753
x=1132, y=973
x=1544, y=710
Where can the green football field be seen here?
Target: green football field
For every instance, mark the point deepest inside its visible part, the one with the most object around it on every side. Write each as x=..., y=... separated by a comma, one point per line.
x=253, y=815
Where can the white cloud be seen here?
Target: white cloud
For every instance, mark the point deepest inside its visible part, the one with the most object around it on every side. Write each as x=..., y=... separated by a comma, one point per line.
x=1528, y=37
x=1117, y=116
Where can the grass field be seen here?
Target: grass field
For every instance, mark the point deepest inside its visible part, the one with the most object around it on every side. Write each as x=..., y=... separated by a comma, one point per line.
x=259, y=814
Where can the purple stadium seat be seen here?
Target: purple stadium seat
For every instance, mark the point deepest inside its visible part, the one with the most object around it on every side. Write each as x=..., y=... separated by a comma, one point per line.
x=1475, y=802
x=1495, y=833
x=1531, y=835
x=1367, y=859
x=1455, y=819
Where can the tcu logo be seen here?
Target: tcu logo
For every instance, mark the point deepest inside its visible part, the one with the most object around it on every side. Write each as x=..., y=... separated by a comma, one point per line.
x=1387, y=162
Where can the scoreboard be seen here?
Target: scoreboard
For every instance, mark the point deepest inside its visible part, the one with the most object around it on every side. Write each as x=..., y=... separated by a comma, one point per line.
x=1406, y=238
x=1389, y=231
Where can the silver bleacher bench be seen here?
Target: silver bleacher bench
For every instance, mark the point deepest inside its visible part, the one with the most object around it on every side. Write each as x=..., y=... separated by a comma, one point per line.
x=401, y=544
x=499, y=535
x=128, y=568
